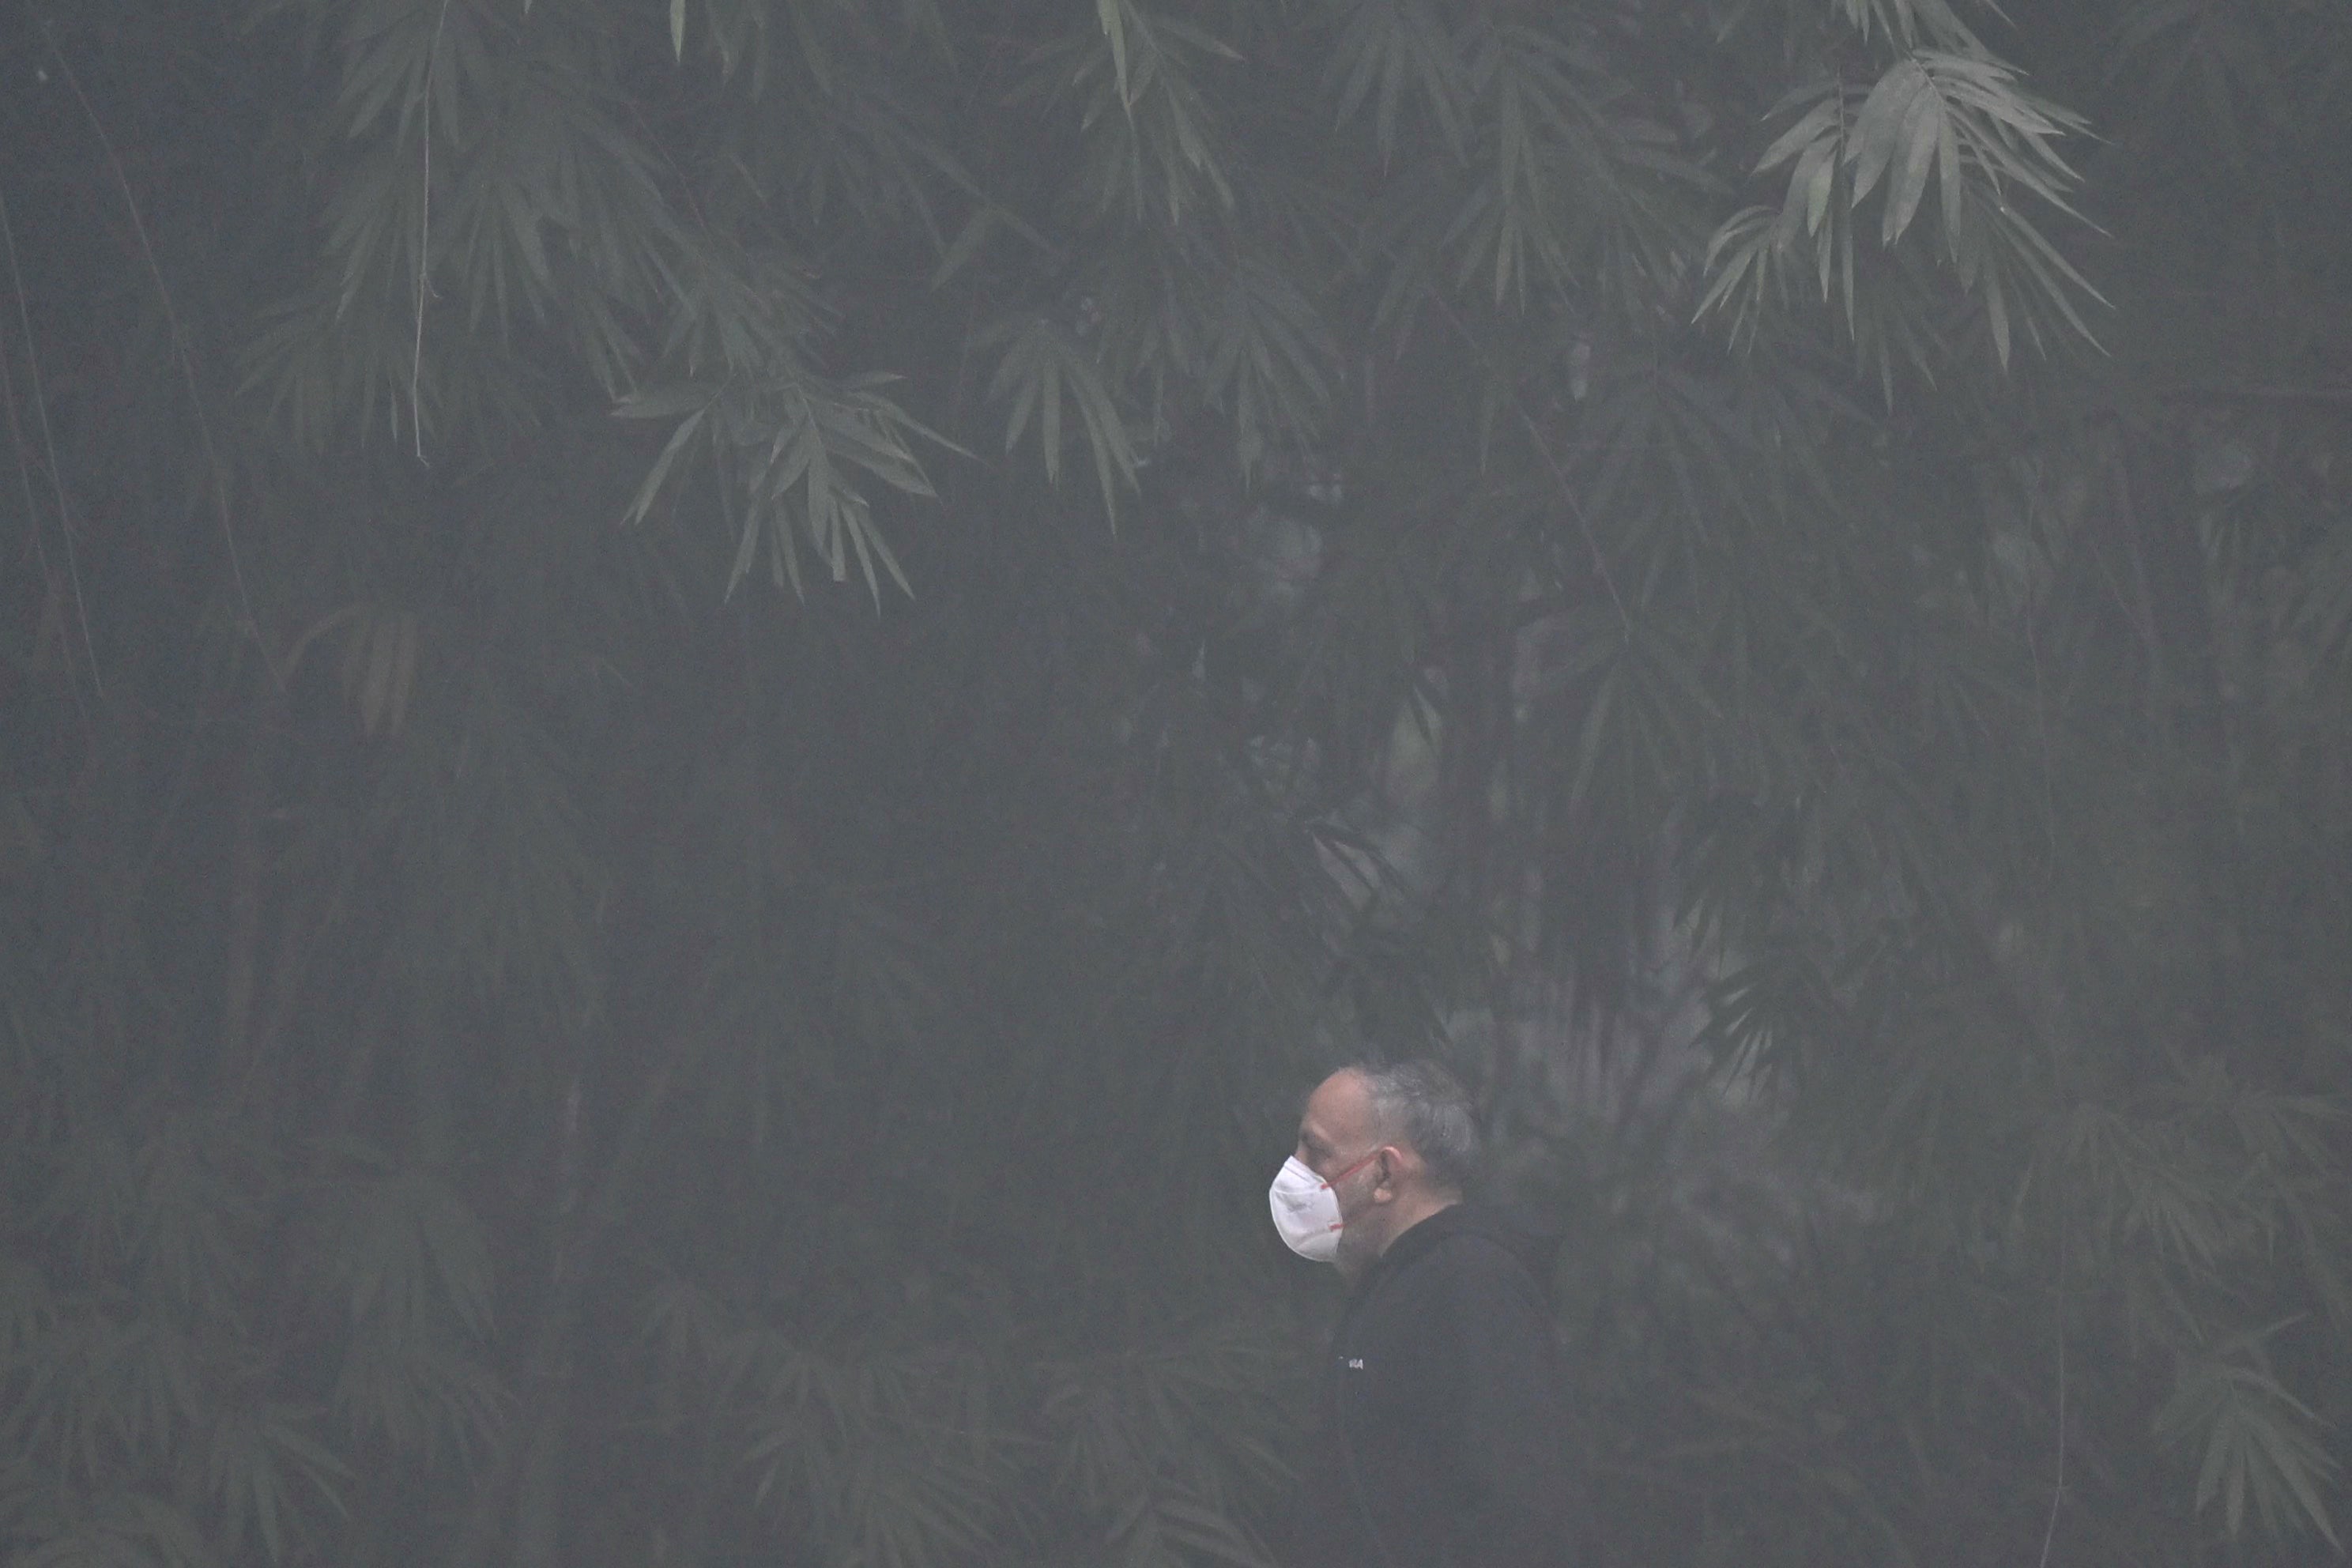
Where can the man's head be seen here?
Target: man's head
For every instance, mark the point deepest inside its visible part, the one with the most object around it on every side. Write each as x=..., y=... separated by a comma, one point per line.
x=1397, y=1143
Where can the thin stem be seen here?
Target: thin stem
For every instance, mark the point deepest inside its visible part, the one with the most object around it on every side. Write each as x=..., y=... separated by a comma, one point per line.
x=1559, y=475
x=2041, y=732
x=425, y=240
x=2220, y=392
x=1576, y=510
x=25, y=466
x=179, y=348
x=2058, y=1489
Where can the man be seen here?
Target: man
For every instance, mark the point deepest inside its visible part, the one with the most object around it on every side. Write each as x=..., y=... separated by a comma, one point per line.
x=1441, y=1443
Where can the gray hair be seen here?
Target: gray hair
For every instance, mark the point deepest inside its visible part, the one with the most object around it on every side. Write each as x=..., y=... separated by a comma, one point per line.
x=1422, y=1104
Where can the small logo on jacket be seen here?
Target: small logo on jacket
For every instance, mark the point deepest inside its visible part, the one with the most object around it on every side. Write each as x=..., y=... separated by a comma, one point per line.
x=1355, y=1363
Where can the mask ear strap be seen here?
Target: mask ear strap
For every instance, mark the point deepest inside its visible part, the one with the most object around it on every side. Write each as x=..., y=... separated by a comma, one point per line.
x=1381, y=1153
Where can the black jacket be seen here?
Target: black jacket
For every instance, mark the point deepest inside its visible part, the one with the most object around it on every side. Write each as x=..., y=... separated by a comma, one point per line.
x=1442, y=1442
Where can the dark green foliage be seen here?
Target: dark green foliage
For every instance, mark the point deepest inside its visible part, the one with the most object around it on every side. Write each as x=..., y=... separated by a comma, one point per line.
x=709, y=705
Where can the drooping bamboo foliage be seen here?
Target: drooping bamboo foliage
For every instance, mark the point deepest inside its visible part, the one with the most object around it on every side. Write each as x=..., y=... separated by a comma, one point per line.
x=708, y=706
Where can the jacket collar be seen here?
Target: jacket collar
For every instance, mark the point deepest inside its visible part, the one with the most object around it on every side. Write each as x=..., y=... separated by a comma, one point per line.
x=1450, y=1220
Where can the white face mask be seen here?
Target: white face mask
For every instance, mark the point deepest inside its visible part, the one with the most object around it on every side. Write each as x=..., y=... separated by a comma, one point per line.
x=1307, y=1209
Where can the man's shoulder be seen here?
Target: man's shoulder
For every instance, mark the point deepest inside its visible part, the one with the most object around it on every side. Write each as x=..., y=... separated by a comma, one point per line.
x=1472, y=1243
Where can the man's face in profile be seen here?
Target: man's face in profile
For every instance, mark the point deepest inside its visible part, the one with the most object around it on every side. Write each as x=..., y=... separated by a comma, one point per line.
x=1338, y=1142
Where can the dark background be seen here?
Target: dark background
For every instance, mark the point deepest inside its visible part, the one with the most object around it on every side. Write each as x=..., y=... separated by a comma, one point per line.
x=707, y=710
